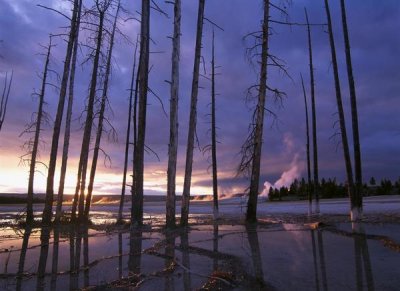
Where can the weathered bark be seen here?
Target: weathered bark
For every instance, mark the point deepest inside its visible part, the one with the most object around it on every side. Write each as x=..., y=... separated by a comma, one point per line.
x=214, y=134
x=314, y=117
x=101, y=119
x=67, y=132
x=4, y=99
x=32, y=166
x=192, y=118
x=173, y=132
x=127, y=141
x=307, y=147
x=137, y=192
x=342, y=122
x=251, y=215
x=83, y=162
x=48, y=208
x=358, y=204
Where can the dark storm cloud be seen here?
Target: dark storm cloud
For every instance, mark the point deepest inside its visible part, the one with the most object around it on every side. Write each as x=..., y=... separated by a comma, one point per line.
x=373, y=28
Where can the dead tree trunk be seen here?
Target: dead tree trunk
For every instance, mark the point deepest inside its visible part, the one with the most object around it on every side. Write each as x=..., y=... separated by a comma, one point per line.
x=4, y=99
x=137, y=194
x=314, y=117
x=214, y=133
x=307, y=148
x=32, y=168
x=128, y=133
x=83, y=162
x=349, y=173
x=48, y=208
x=192, y=118
x=173, y=137
x=251, y=215
x=358, y=204
x=101, y=118
x=67, y=132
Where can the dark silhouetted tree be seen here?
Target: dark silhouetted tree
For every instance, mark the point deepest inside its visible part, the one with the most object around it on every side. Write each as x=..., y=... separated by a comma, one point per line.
x=48, y=208
x=4, y=99
x=251, y=214
x=355, y=210
x=192, y=118
x=137, y=186
x=173, y=137
x=214, y=133
x=67, y=132
x=314, y=116
x=101, y=117
x=128, y=133
x=307, y=148
x=354, y=115
x=35, y=145
x=101, y=8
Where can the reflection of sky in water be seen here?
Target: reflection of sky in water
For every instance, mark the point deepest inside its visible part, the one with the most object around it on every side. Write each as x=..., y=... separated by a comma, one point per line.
x=287, y=256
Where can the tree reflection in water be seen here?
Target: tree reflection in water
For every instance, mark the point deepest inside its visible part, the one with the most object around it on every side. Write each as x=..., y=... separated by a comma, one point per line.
x=186, y=260
x=44, y=251
x=252, y=236
x=21, y=263
x=135, y=252
x=169, y=260
x=361, y=255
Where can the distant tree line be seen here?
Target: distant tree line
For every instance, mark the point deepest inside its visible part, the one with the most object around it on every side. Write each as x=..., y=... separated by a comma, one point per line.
x=330, y=188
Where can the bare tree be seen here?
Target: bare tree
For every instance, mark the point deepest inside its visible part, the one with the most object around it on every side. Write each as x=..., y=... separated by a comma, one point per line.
x=37, y=124
x=349, y=173
x=307, y=149
x=84, y=156
x=67, y=132
x=101, y=117
x=192, y=118
x=4, y=98
x=251, y=215
x=214, y=133
x=358, y=204
x=314, y=116
x=173, y=137
x=47, y=211
x=137, y=189
x=127, y=141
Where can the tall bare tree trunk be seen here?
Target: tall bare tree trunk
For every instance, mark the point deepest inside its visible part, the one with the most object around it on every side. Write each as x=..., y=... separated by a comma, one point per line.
x=346, y=152
x=314, y=117
x=48, y=207
x=67, y=132
x=32, y=168
x=214, y=133
x=192, y=118
x=137, y=194
x=89, y=117
x=4, y=99
x=358, y=199
x=101, y=118
x=251, y=215
x=173, y=132
x=307, y=149
x=127, y=141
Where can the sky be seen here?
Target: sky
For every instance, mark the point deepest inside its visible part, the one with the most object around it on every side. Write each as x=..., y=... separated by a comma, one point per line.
x=373, y=27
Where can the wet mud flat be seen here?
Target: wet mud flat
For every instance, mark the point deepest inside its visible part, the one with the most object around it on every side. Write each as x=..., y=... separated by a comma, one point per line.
x=280, y=254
